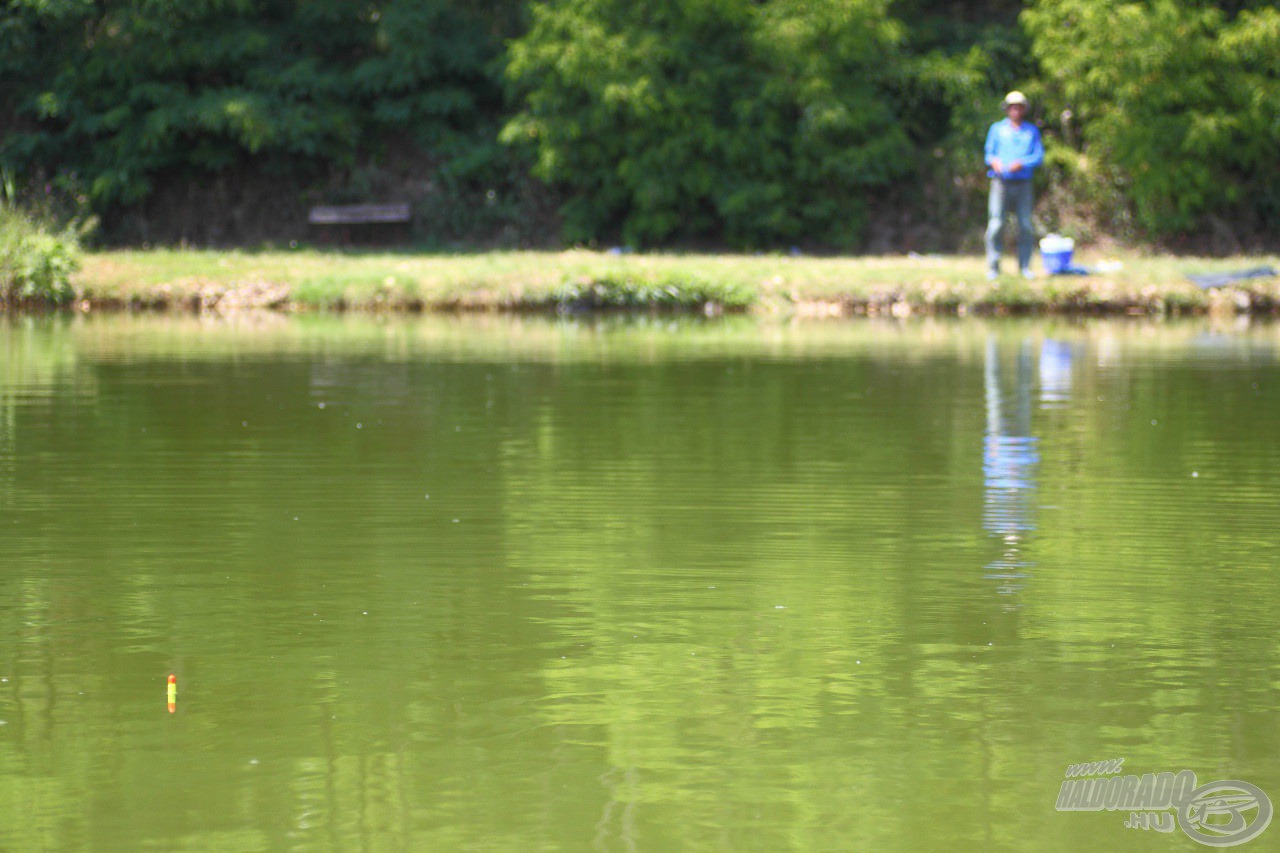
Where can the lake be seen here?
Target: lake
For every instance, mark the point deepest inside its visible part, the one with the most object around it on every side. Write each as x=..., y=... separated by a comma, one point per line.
x=497, y=583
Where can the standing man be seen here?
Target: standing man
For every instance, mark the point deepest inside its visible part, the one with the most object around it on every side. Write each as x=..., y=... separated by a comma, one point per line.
x=1013, y=152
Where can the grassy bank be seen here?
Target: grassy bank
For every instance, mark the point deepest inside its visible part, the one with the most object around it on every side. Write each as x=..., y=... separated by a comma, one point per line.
x=309, y=279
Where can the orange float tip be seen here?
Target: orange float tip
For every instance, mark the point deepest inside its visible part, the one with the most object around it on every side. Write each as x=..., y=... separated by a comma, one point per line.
x=173, y=679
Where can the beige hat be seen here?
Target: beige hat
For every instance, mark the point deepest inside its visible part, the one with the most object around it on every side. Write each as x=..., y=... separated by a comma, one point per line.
x=1015, y=97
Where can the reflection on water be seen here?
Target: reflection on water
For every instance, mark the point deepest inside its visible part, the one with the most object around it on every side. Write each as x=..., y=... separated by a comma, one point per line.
x=1055, y=373
x=468, y=583
x=1009, y=461
x=1011, y=450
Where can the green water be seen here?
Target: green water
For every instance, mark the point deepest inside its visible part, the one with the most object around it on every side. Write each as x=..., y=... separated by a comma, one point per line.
x=502, y=584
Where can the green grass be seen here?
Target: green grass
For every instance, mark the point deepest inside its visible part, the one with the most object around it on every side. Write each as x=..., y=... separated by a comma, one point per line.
x=390, y=280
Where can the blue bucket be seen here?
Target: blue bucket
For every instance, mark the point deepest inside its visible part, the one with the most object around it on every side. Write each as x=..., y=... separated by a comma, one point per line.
x=1056, y=253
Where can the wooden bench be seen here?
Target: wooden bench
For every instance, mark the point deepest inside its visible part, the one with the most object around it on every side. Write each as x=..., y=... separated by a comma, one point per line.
x=347, y=215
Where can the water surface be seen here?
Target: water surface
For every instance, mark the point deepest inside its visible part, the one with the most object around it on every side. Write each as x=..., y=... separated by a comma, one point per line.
x=477, y=583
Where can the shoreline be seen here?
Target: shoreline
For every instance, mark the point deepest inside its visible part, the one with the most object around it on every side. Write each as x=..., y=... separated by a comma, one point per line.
x=307, y=280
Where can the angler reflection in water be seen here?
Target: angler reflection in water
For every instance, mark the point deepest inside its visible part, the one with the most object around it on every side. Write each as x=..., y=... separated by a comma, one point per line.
x=1011, y=455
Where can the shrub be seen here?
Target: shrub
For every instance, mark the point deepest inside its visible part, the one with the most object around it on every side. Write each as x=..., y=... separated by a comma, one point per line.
x=1178, y=99
x=35, y=264
x=762, y=124
x=670, y=292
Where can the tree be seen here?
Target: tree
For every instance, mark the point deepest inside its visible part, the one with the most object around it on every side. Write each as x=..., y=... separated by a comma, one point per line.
x=1181, y=101
x=124, y=94
x=756, y=122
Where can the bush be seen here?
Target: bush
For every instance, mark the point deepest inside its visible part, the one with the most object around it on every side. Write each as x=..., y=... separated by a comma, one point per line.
x=1177, y=99
x=670, y=292
x=35, y=264
x=759, y=124
x=129, y=99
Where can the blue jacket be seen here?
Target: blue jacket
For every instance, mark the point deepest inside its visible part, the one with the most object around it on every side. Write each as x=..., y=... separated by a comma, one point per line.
x=1009, y=143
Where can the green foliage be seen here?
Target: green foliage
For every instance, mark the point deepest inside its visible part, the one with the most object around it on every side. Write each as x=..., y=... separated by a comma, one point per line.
x=127, y=95
x=670, y=291
x=35, y=264
x=1083, y=198
x=960, y=58
x=759, y=122
x=1181, y=101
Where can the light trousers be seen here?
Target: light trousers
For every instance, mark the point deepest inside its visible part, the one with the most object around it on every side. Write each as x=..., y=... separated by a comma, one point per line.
x=1010, y=197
